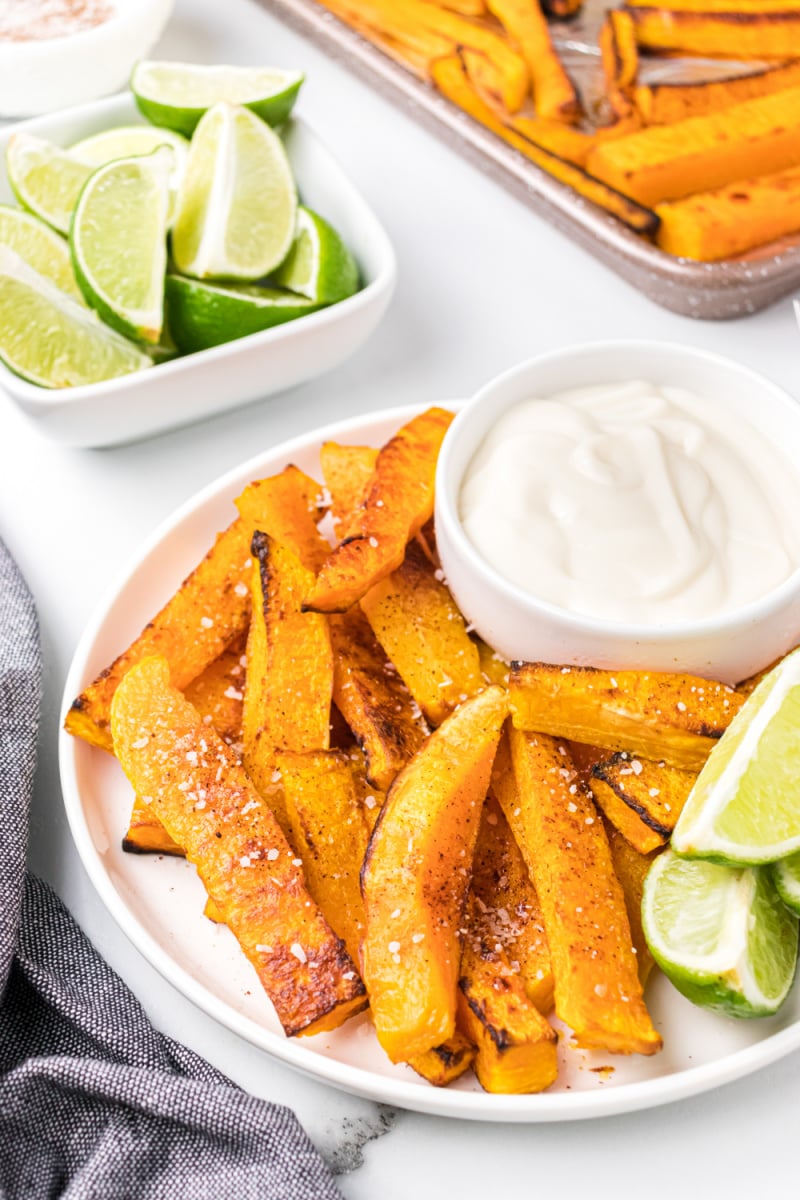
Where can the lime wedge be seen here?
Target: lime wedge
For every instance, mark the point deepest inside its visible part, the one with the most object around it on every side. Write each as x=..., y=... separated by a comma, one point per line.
x=721, y=934
x=41, y=248
x=49, y=339
x=126, y=141
x=176, y=95
x=119, y=242
x=203, y=314
x=786, y=874
x=238, y=203
x=319, y=265
x=745, y=805
x=45, y=179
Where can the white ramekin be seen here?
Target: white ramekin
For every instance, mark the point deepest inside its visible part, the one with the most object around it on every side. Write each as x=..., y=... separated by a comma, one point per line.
x=517, y=625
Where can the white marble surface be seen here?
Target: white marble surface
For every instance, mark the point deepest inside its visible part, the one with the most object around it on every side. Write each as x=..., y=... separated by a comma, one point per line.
x=482, y=285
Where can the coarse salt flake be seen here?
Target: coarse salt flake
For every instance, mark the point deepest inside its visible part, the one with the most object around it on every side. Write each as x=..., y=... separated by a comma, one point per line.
x=393, y=947
x=272, y=854
x=206, y=622
x=140, y=743
x=297, y=950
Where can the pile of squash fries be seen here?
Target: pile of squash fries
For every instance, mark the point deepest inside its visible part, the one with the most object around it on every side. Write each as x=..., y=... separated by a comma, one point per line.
x=707, y=170
x=381, y=810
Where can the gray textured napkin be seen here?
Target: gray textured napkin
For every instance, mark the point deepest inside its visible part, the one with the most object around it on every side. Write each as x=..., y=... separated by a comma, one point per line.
x=93, y=1101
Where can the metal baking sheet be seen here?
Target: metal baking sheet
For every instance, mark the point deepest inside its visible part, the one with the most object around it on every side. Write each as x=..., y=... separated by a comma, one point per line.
x=709, y=291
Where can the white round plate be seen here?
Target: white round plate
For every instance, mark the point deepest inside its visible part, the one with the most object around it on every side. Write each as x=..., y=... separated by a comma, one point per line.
x=158, y=902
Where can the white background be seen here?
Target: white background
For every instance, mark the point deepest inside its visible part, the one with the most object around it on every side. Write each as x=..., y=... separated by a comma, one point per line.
x=483, y=284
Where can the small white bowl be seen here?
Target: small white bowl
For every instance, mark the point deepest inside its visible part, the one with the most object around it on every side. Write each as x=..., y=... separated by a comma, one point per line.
x=195, y=386
x=41, y=75
x=521, y=627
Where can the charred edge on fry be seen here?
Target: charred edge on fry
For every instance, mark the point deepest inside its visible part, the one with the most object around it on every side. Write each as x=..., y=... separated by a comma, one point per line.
x=599, y=772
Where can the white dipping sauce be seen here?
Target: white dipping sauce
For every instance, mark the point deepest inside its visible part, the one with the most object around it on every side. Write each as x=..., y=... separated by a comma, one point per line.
x=634, y=503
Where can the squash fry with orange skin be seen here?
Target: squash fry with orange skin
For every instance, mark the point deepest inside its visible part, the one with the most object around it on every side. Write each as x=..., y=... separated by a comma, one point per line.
x=449, y=76
x=416, y=875
x=554, y=94
x=722, y=6
x=620, y=57
x=288, y=506
x=561, y=835
x=732, y=34
x=630, y=868
x=674, y=718
x=663, y=103
x=217, y=696
x=667, y=162
x=210, y=609
x=416, y=621
x=372, y=699
x=555, y=136
x=200, y=793
x=397, y=505
x=506, y=912
x=516, y=1044
x=642, y=799
x=347, y=471
x=721, y=224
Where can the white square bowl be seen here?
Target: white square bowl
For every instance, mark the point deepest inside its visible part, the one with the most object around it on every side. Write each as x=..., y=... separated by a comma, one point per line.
x=189, y=388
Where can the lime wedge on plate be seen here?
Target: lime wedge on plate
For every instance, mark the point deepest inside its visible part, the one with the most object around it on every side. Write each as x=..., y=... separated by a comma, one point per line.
x=45, y=179
x=41, y=248
x=176, y=95
x=745, y=805
x=119, y=242
x=128, y=140
x=237, y=204
x=319, y=265
x=720, y=934
x=49, y=339
x=204, y=314
x=786, y=874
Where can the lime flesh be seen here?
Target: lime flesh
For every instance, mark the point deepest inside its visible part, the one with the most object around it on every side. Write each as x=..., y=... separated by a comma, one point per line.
x=119, y=242
x=40, y=247
x=50, y=339
x=126, y=141
x=319, y=265
x=721, y=934
x=238, y=202
x=176, y=95
x=202, y=314
x=45, y=179
x=745, y=805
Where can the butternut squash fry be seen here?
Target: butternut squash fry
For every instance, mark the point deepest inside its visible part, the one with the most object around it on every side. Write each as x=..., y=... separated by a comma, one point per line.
x=720, y=224
x=756, y=137
x=562, y=8
x=507, y=915
x=210, y=610
x=217, y=696
x=494, y=667
x=620, y=57
x=630, y=868
x=664, y=103
x=722, y=6
x=417, y=623
x=416, y=875
x=379, y=23
x=554, y=94
x=449, y=76
x=674, y=718
x=373, y=699
x=597, y=988
x=732, y=34
x=347, y=471
x=199, y=791
x=399, y=502
x=467, y=8
x=447, y=1062
x=642, y=799
x=516, y=1044
x=288, y=506
x=555, y=136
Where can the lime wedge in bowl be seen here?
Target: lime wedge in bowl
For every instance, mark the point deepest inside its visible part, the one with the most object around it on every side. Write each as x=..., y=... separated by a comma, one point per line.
x=745, y=805
x=237, y=205
x=205, y=314
x=786, y=874
x=51, y=340
x=319, y=265
x=119, y=242
x=40, y=247
x=176, y=95
x=45, y=179
x=721, y=934
x=125, y=141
